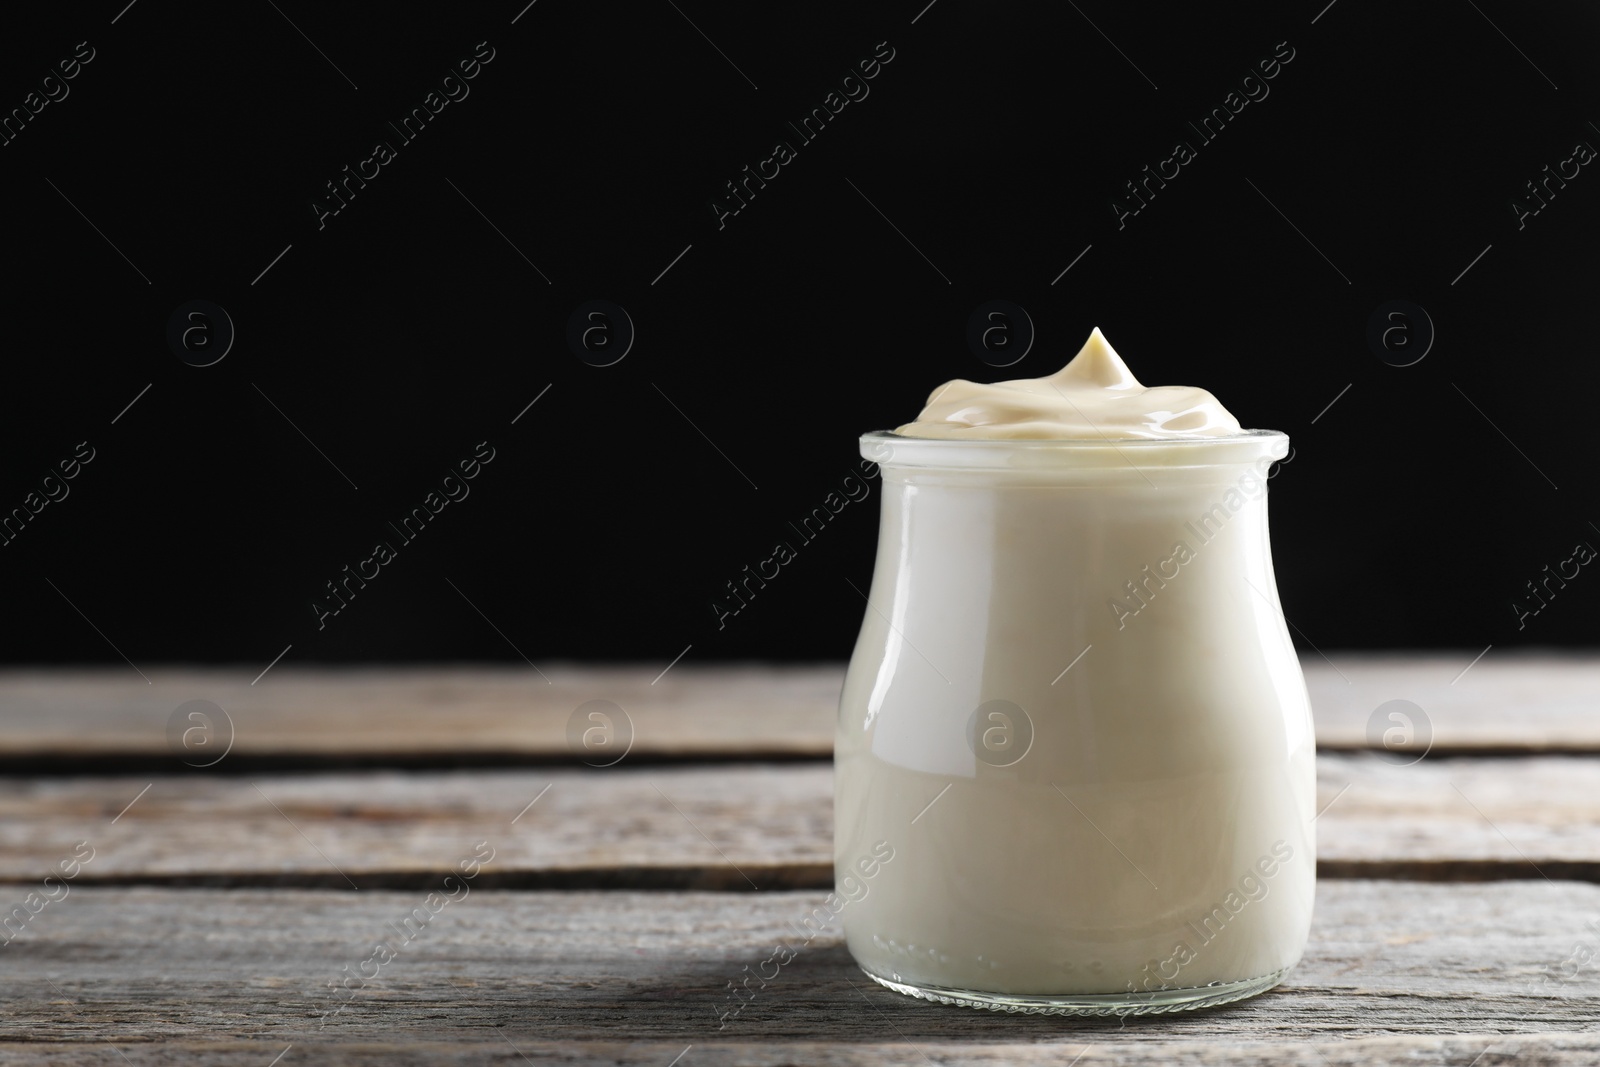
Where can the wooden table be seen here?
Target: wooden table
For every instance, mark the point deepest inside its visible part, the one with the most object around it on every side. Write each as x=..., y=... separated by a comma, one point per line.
x=228, y=915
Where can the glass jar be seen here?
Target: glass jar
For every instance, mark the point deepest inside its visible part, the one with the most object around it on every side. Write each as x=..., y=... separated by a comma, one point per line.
x=1075, y=723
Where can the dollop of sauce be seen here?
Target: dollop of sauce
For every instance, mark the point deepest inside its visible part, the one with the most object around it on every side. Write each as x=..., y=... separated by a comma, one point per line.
x=1094, y=396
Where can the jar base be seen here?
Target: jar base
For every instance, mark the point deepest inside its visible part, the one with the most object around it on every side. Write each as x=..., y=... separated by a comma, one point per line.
x=1154, y=1002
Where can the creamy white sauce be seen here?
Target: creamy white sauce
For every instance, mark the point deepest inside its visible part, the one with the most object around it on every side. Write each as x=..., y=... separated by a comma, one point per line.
x=1157, y=830
x=1095, y=395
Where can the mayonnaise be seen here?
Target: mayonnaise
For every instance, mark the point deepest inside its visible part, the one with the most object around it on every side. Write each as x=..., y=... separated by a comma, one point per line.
x=1074, y=709
x=1093, y=396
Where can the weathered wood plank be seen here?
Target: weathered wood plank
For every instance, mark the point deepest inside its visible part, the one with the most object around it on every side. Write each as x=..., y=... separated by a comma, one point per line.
x=1506, y=702
x=402, y=715
x=612, y=827
x=1431, y=974
x=1501, y=1050
x=717, y=826
x=497, y=715
x=1460, y=817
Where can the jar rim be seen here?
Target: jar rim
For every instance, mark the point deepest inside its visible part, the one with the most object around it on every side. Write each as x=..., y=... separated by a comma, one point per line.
x=886, y=446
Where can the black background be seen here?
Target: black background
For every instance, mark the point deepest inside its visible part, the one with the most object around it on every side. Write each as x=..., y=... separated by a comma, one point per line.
x=407, y=329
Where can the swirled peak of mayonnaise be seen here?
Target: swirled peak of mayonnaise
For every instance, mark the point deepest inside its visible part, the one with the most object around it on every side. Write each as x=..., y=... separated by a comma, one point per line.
x=1094, y=396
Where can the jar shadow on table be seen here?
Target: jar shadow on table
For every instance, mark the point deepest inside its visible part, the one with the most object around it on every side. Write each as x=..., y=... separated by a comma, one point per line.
x=820, y=994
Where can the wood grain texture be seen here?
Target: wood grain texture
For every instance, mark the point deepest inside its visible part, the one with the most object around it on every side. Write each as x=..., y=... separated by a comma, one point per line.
x=1502, y=1050
x=1458, y=817
x=1422, y=968
x=1506, y=702
x=1420, y=974
x=718, y=826
x=397, y=716
x=108, y=717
